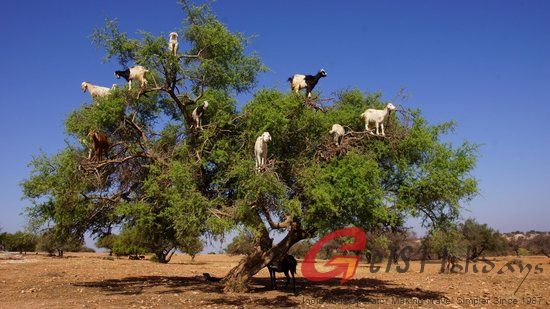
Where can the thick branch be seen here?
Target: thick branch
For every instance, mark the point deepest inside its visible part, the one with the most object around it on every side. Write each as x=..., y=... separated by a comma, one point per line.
x=276, y=225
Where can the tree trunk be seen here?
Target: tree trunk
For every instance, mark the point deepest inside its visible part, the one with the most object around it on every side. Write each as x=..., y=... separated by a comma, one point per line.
x=237, y=279
x=165, y=256
x=161, y=257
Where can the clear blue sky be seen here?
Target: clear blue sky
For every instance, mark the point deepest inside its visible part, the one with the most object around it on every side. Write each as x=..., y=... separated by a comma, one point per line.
x=485, y=64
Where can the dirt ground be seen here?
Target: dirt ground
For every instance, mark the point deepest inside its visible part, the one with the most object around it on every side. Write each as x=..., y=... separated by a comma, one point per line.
x=89, y=280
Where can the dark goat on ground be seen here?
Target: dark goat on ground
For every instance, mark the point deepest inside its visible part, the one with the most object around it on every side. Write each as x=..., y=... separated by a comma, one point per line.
x=299, y=81
x=286, y=265
x=207, y=277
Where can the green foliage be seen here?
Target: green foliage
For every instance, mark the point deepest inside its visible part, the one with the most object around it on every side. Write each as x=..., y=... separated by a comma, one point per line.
x=18, y=242
x=166, y=184
x=192, y=247
x=130, y=242
x=446, y=242
x=107, y=242
x=57, y=240
x=119, y=45
x=480, y=239
x=377, y=246
x=523, y=252
x=242, y=244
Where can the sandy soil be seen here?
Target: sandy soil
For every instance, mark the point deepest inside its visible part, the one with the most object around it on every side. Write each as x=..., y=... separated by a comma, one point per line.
x=88, y=280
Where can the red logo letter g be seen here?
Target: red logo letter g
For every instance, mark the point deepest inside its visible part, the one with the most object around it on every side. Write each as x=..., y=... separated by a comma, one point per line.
x=345, y=265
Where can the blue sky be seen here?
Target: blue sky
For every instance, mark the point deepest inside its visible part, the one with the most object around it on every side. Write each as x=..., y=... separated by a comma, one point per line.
x=484, y=64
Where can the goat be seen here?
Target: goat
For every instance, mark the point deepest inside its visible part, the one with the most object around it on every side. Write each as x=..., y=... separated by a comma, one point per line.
x=209, y=278
x=95, y=91
x=197, y=115
x=378, y=116
x=136, y=72
x=100, y=145
x=173, y=43
x=260, y=149
x=299, y=81
x=286, y=265
x=338, y=132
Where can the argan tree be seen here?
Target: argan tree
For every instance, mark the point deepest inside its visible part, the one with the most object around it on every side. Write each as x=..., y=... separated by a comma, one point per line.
x=107, y=241
x=481, y=239
x=540, y=244
x=171, y=183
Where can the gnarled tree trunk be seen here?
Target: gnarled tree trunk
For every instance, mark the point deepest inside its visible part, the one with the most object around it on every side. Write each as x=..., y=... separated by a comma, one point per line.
x=237, y=279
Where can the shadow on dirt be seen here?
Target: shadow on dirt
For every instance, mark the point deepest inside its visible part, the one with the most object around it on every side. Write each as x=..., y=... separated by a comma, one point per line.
x=353, y=292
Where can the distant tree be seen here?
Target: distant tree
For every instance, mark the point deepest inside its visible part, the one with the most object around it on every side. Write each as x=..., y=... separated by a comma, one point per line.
x=445, y=242
x=397, y=240
x=242, y=244
x=86, y=249
x=300, y=249
x=54, y=241
x=131, y=242
x=480, y=239
x=377, y=246
x=107, y=242
x=191, y=246
x=539, y=244
x=514, y=244
x=2, y=241
x=19, y=241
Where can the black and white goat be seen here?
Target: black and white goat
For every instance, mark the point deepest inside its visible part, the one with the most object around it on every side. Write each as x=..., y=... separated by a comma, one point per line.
x=286, y=265
x=197, y=115
x=299, y=81
x=136, y=72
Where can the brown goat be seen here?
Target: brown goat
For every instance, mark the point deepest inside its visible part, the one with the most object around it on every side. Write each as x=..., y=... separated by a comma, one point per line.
x=100, y=145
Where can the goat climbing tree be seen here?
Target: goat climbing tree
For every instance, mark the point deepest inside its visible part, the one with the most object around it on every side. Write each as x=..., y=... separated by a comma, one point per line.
x=165, y=184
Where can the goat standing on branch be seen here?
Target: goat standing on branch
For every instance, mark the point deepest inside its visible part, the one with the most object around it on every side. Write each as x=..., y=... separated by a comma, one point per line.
x=299, y=82
x=173, y=43
x=136, y=72
x=100, y=145
x=378, y=116
x=338, y=133
x=95, y=91
x=260, y=150
x=197, y=115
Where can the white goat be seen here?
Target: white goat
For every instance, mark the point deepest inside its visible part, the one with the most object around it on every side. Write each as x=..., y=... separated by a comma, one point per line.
x=338, y=132
x=197, y=115
x=260, y=149
x=95, y=91
x=378, y=116
x=136, y=72
x=173, y=43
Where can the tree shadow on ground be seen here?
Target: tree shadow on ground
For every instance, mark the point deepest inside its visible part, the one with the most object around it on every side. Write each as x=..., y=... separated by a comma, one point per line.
x=355, y=291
